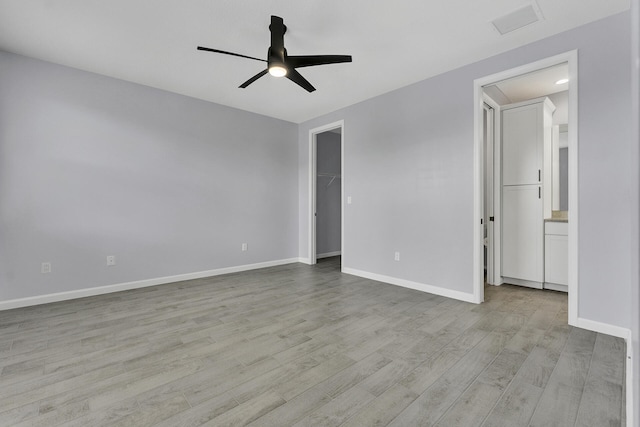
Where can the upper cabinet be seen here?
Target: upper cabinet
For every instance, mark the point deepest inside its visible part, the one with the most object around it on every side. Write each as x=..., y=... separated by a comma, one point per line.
x=526, y=128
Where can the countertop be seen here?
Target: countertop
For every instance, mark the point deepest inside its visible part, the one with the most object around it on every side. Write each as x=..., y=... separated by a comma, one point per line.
x=558, y=216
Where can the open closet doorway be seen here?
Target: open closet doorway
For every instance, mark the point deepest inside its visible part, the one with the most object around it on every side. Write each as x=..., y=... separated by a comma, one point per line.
x=532, y=189
x=326, y=191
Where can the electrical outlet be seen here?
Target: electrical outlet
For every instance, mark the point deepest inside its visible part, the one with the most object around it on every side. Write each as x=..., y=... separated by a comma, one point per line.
x=348, y=200
x=111, y=260
x=45, y=268
x=397, y=256
x=245, y=247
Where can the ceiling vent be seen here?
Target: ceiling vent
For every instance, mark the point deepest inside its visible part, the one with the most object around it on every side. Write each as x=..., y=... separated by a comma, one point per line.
x=517, y=19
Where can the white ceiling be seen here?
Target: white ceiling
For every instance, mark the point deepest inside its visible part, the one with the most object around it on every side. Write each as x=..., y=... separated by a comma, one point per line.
x=393, y=44
x=529, y=86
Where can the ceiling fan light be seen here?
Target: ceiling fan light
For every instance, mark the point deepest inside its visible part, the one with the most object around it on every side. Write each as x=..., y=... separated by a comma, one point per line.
x=277, y=71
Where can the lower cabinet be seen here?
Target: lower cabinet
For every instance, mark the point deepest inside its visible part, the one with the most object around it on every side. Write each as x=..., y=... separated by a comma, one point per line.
x=522, y=235
x=556, y=256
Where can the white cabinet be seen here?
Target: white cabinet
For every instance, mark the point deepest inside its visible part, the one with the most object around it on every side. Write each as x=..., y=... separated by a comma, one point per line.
x=526, y=130
x=522, y=145
x=522, y=235
x=556, y=256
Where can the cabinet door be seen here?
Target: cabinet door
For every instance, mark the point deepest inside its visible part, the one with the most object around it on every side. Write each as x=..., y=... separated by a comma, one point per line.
x=522, y=233
x=556, y=254
x=522, y=145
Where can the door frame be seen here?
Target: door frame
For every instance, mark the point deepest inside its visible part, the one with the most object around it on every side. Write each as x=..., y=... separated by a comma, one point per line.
x=492, y=162
x=313, y=146
x=571, y=58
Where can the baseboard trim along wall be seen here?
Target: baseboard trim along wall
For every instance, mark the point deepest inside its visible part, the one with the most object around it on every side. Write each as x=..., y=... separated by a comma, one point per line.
x=328, y=254
x=462, y=296
x=100, y=290
x=603, y=328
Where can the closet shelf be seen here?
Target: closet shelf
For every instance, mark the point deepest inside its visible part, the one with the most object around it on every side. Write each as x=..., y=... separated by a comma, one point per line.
x=333, y=176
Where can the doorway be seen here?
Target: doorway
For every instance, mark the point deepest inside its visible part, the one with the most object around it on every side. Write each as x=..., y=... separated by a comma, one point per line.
x=491, y=193
x=326, y=166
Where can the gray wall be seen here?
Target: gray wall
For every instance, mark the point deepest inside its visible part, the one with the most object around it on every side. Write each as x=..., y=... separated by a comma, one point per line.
x=408, y=164
x=328, y=193
x=92, y=166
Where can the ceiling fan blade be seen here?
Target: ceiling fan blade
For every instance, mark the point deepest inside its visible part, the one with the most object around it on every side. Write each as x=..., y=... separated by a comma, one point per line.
x=297, y=78
x=253, y=79
x=229, y=53
x=311, y=60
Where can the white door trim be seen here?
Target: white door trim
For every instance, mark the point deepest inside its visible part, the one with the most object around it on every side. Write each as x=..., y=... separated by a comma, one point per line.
x=493, y=232
x=312, y=186
x=571, y=58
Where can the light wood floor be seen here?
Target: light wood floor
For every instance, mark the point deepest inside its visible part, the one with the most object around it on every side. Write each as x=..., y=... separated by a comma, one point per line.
x=306, y=346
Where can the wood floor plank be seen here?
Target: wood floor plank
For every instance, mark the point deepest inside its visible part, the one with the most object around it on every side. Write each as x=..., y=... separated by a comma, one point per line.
x=295, y=409
x=602, y=398
x=561, y=398
x=337, y=410
x=353, y=375
x=435, y=400
x=515, y=407
x=502, y=369
x=472, y=407
x=601, y=404
x=538, y=366
x=383, y=409
x=199, y=414
x=313, y=376
x=557, y=407
x=248, y=411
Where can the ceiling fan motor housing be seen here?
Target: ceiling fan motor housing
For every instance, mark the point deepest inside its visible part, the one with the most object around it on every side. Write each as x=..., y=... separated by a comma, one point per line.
x=277, y=54
x=277, y=59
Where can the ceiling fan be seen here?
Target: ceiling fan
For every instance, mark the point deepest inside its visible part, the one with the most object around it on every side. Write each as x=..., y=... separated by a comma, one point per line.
x=279, y=64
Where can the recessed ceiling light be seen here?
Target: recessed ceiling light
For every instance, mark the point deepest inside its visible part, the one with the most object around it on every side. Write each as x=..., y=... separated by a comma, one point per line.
x=562, y=81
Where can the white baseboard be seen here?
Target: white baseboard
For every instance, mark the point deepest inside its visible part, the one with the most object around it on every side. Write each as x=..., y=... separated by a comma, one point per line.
x=522, y=282
x=305, y=260
x=328, y=254
x=556, y=287
x=88, y=292
x=436, y=290
x=603, y=328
